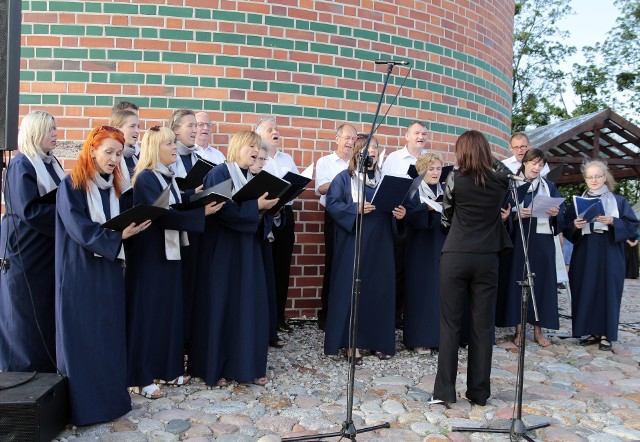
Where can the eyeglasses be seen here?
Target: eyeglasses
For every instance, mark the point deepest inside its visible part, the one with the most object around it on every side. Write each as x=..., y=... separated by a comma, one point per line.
x=155, y=128
x=209, y=125
x=261, y=159
x=109, y=129
x=346, y=138
x=523, y=147
x=594, y=177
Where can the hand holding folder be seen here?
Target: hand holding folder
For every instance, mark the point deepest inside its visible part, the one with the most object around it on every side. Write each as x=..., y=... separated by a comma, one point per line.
x=258, y=185
x=588, y=209
x=140, y=213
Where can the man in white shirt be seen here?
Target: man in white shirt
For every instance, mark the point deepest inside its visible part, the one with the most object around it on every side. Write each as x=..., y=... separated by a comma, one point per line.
x=278, y=164
x=397, y=163
x=519, y=144
x=203, y=140
x=327, y=168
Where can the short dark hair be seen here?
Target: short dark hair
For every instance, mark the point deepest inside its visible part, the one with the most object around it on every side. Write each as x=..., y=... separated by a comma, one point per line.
x=421, y=123
x=124, y=105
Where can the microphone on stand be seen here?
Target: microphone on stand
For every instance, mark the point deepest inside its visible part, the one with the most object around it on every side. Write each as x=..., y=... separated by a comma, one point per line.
x=394, y=62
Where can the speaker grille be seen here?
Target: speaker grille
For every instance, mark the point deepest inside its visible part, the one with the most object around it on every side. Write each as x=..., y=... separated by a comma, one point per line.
x=18, y=423
x=10, y=17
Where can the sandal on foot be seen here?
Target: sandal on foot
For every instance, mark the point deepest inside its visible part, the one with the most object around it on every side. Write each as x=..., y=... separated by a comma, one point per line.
x=541, y=340
x=591, y=340
x=382, y=356
x=150, y=391
x=605, y=345
x=261, y=381
x=423, y=351
x=358, y=358
x=180, y=380
x=222, y=382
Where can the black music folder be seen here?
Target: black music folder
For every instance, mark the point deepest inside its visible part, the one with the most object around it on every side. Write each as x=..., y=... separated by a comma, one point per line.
x=298, y=184
x=555, y=173
x=259, y=184
x=218, y=193
x=391, y=192
x=49, y=197
x=412, y=171
x=196, y=175
x=140, y=213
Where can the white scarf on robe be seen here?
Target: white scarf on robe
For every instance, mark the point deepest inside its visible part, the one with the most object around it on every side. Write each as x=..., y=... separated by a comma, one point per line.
x=178, y=166
x=237, y=177
x=427, y=194
x=94, y=201
x=356, y=180
x=45, y=182
x=610, y=208
x=542, y=224
x=173, y=239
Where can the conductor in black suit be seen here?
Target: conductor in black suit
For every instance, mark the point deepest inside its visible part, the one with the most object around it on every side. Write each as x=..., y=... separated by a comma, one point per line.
x=469, y=265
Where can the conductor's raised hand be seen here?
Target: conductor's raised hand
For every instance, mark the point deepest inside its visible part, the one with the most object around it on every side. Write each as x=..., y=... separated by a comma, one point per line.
x=505, y=212
x=213, y=207
x=134, y=229
x=368, y=207
x=264, y=203
x=399, y=212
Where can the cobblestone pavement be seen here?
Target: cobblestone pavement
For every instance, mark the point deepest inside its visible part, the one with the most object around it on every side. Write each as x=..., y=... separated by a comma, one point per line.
x=586, y=395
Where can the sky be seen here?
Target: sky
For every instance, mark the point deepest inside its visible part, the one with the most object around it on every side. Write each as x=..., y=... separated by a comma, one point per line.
x=587, y=26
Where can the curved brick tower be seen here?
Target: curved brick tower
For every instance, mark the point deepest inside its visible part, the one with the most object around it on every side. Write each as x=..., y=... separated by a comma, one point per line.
x=309, y=63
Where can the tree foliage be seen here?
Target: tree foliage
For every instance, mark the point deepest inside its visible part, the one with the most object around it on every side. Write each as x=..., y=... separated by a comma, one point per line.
x=538, y=80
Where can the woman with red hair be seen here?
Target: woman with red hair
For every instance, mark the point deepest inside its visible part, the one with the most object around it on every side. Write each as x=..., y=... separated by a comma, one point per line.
x=90, y=302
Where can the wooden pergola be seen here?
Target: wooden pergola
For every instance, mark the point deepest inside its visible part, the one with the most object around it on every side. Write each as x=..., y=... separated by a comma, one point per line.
x=603, y=135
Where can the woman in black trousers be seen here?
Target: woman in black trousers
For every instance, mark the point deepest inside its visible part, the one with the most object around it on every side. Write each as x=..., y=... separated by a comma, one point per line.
x=469, y=265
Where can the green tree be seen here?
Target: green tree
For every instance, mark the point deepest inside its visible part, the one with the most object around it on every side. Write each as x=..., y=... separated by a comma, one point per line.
x=538, y=81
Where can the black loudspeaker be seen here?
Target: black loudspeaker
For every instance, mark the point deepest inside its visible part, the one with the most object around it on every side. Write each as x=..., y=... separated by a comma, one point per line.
x=10, y=18
x=36, y=410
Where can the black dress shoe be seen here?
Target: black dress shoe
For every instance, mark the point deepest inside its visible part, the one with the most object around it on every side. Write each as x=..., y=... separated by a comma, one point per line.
x=433, y=401
x=480, y=402
x=322, y=323
x=276, y=344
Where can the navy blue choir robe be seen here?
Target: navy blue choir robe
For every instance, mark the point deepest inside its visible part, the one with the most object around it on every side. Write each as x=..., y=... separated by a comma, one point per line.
x=28, y=227
x=155, y=320
x=596, y=272
x=90, y=310
x=230, y=324
x=422, y=261
x=376, y=320
x=270, y=275
x=189, y=259
x=542, y=253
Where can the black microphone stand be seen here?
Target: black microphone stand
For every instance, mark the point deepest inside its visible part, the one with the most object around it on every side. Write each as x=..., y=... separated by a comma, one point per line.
x=517, y=428
x=348, y=429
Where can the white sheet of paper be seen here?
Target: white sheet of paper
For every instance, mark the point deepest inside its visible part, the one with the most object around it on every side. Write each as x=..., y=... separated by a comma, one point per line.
x=308, y=172
x=433, y=204
x=542, y=203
